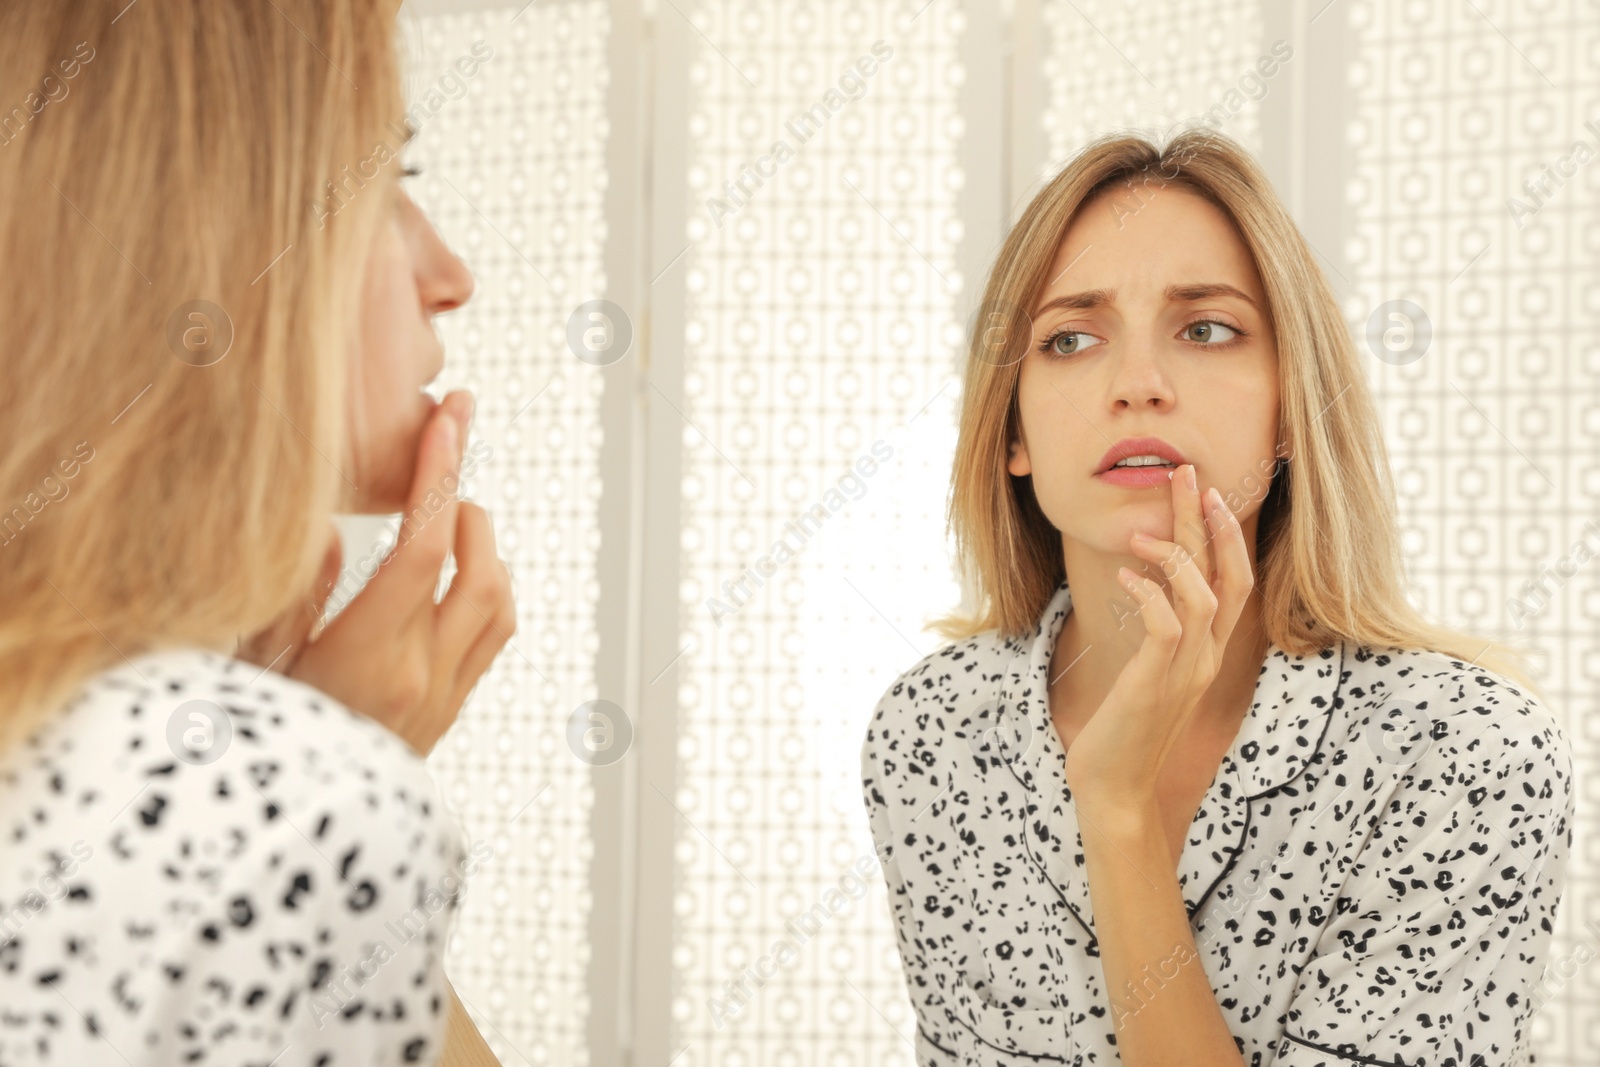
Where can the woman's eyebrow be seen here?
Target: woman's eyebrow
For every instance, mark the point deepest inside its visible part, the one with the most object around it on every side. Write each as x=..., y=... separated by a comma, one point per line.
x=1091, y=299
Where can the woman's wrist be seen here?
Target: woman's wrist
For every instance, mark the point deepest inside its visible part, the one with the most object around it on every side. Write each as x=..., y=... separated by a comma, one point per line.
x=1116, y=819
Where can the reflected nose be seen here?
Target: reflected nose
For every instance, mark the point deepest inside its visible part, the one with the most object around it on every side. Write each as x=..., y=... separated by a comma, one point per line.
x=443, y=281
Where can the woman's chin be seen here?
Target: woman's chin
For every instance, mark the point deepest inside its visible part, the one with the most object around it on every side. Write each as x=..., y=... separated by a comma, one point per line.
x=379, y=504
x=385, y=491
x=384, y=486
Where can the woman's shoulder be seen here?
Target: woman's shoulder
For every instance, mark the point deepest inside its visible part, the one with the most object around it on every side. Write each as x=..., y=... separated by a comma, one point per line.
x=224, y=832
x=929, y=703
x=1454, y=734
x=193, y=744
x=184, y=749
x=951, y=676
x=1446, y=696
x=156, y=714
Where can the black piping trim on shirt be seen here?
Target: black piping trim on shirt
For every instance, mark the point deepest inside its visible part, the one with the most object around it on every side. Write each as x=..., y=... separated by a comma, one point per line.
x=1233, y=857
x=1327, y=718
x=924, y=1035
x=1052, y=1057
x=1244, y=836
x=1351, y=1056
x=1093, y=947
x=1249, y=801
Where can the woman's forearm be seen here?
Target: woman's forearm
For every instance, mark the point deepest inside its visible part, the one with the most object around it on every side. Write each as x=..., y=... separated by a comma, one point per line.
x=463, y=1044
x=1162, y=1004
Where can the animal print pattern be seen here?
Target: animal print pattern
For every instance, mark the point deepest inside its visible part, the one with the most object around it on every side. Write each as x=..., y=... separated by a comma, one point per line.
x=286, y=903
x=1371, y=878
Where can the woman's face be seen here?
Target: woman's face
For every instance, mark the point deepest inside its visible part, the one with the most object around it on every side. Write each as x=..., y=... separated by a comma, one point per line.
x=1161, y=331
x=411, y=278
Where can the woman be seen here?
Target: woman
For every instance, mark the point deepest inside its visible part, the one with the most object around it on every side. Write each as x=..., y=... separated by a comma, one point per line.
x=1243, y=805
x=222, y=331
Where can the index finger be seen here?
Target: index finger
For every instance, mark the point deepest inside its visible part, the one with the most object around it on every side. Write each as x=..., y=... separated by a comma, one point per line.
x=428, y=527
x=1188, y=524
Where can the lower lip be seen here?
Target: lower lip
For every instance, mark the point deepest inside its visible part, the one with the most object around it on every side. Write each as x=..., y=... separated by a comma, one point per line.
x=1137, y=477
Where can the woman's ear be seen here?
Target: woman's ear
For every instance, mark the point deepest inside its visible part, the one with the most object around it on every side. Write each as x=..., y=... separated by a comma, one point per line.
x=1017, y=463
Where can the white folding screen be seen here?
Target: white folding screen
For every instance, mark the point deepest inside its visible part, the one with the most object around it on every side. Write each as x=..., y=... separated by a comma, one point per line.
x=732, y=526
x=1152, y=65
x=821, y=329
x=1471, y=127
x=509, y=106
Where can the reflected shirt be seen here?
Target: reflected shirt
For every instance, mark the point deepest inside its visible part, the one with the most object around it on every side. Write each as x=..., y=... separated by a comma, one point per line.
x=1372, y=875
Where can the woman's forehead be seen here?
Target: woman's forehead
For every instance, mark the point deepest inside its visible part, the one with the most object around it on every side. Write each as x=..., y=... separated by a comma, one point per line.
x=1172, y=246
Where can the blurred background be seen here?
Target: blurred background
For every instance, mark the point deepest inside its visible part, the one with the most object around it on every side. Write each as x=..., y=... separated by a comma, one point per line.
x=726, y=258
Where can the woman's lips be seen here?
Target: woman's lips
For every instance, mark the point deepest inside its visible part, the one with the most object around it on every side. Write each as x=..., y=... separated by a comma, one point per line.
x=1130, y=447
x=1137, y=477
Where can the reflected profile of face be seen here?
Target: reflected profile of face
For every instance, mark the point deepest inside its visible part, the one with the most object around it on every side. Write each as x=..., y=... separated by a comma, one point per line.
x=411, y=277
x=1153, y=323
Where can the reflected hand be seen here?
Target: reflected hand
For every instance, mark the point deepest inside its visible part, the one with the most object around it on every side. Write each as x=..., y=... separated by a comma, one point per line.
x=1115, y=761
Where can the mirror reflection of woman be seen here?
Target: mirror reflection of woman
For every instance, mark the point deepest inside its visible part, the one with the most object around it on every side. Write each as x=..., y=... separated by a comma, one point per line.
x=219, y=842
x=1196, y=783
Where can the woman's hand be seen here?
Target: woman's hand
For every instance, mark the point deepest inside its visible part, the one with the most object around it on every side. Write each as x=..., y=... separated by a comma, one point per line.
x=393, y=653
x=1115, y=760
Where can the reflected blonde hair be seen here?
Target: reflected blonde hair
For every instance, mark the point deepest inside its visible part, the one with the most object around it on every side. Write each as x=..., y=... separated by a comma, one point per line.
x=1329, y=566
x=148, y=502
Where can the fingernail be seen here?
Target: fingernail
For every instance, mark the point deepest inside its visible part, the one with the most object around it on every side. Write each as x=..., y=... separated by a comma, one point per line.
x=1193, y=484
x=452, y=433
x=1142, y=536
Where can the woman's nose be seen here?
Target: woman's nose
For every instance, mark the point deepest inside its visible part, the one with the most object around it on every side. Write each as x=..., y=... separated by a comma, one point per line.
x=1139, y=382
x=447, y=284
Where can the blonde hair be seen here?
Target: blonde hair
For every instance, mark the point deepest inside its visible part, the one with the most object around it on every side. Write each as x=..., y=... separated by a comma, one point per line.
x=1329, y=566
x=153, y=495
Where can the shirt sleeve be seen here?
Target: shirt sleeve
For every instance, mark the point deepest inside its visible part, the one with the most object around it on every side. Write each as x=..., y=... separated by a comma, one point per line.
x=1434, y=953
x=934, y=1047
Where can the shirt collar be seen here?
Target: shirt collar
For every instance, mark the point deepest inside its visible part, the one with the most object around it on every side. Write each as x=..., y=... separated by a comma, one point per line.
x=1282, y=732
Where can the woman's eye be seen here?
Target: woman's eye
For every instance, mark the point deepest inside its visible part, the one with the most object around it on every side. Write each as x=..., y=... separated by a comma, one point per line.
x=1067, y=343
x=1207, y=332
